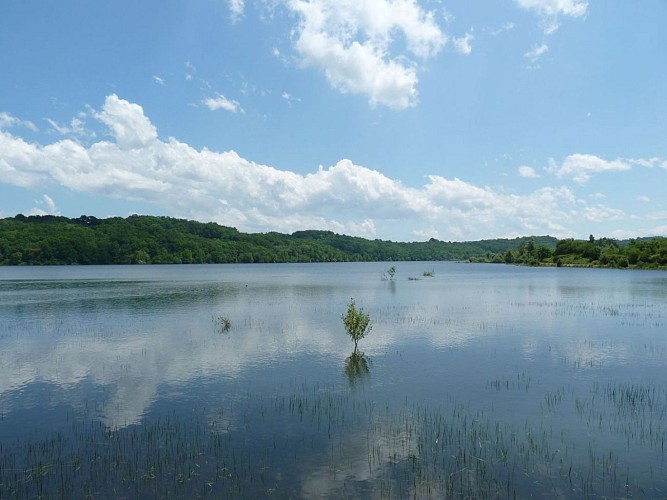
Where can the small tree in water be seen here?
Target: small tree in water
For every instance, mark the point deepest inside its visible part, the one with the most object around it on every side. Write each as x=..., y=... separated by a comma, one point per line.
x=389, y=273
x=357, y=323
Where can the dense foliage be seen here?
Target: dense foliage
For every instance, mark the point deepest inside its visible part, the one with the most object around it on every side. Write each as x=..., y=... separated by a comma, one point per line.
x=645, y=253
x=48, y=239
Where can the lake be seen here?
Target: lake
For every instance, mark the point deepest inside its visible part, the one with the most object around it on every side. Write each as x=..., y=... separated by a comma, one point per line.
x=481, y=380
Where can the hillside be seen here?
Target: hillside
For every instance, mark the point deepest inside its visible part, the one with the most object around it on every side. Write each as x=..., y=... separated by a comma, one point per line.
x=50, y=240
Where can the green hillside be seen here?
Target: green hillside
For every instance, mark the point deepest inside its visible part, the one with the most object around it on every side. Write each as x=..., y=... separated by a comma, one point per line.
x=48, y=240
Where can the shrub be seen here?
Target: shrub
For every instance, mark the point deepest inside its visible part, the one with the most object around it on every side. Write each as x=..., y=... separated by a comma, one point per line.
x=357, y=323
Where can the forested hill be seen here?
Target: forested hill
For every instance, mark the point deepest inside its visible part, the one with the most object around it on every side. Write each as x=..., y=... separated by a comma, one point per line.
x=137, y=239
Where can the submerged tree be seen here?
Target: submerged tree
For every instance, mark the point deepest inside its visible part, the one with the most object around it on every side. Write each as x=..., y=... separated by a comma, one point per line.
x=389, y=274
x=357, y=323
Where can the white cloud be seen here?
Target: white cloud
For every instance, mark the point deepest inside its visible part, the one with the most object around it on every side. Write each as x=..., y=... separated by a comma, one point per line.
x=236, y=8
x=350, y=41
x=345, y=197
x=48, y=204
x=649, y=163
x=508, y=26
x=551, y=10
x=623, y=234
x=580, y=167
x=644, y=199
x=190, y=70
x=221, y=102
x=76, y=127
x=8, y=121
x=657, y=216
x=537, y=52
x=463, y=44
x=127, y=122
x=290, y=98
x=528, y=172
x=159, y=80
x=573, y=8
x=602, y=213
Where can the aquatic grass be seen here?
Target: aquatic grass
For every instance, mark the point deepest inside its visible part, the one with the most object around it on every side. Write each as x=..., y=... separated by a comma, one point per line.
x=562, y=408
x=410, y=449
x=222, y=323
x=521, y=382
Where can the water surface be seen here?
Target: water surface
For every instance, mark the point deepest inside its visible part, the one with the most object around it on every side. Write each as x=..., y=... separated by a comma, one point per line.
x=481, y=380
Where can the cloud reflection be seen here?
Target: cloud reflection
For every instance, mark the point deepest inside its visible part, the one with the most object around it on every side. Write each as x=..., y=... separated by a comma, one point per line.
x=136, y=339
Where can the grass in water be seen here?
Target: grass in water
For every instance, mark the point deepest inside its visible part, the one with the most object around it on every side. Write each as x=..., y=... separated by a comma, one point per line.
x=258, y=446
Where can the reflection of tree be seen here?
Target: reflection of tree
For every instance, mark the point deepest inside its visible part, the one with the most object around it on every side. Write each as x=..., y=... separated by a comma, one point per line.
x=356, y=367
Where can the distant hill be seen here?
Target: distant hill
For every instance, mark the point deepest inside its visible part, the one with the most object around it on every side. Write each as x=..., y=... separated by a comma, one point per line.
x=50, y=240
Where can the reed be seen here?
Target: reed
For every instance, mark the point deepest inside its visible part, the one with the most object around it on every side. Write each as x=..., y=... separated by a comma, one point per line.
x=260, y=446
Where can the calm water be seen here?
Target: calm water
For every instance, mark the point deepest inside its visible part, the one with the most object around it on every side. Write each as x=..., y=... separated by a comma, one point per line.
x=483, y=380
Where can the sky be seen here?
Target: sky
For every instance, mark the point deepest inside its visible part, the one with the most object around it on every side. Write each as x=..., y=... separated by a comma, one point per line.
x=398, y=120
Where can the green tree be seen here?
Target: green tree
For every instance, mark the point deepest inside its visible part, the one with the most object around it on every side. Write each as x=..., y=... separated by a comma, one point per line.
x=543, y=252
x=357, y=323
x=509, y=257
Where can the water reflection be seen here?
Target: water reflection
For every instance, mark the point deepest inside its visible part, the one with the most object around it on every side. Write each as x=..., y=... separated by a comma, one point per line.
x=357, y=368
x=135, y=340
x=514, y=344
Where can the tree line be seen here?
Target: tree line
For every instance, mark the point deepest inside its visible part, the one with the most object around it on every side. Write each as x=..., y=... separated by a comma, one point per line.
x=56, y=240
x=641, y=253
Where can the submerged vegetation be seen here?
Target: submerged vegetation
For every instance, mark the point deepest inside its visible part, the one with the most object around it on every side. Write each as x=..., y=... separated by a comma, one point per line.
x=222, y=323
x=547, y=391
x=354, y=447
x=389, y=274
x=357, y=323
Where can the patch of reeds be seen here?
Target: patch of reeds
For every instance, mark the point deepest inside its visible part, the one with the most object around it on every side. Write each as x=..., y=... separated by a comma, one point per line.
x=222, y=323
x=258, y=446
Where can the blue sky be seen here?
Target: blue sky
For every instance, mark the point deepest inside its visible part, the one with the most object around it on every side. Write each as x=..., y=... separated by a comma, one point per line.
x=390, y=119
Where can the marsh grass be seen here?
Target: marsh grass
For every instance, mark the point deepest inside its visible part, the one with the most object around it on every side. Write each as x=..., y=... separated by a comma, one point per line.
x=222, y=323
x=260, y=446
x=596, y=431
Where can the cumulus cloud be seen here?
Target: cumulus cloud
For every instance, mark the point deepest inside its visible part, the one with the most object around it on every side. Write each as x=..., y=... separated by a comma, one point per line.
x=221, y=102
x=345, y=197
x=127, y=123
x=352, y=42
x=580, y=167
x=550, y=11
x=528, y=172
